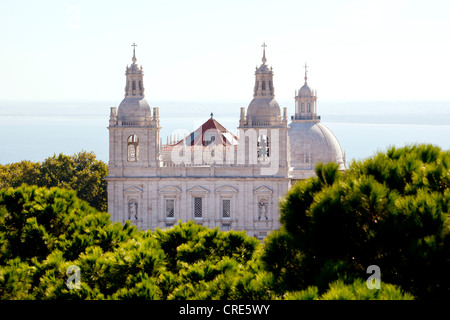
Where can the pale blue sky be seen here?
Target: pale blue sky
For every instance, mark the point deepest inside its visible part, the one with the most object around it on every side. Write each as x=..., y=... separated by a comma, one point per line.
x=208, y=50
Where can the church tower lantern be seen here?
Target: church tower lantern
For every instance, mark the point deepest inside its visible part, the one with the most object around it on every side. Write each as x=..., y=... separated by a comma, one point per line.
x=305, y=101
x=135, y=84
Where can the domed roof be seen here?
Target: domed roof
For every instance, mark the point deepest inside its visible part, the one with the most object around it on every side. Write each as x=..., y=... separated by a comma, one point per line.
x=263, y=109
x=304, y=91
x=312, y=142
x=134, y=108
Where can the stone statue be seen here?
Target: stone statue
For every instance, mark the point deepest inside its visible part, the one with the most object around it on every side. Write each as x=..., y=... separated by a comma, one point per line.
x=263, y=147
x=132, y=210
x=262, y=210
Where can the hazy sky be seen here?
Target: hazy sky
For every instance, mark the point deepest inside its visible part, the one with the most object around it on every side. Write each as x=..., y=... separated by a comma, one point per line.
x=208, y=50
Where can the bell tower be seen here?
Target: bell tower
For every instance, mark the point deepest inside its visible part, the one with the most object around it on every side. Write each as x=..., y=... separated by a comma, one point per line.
x=134, y=130
x=134, y=151
x=263, y=131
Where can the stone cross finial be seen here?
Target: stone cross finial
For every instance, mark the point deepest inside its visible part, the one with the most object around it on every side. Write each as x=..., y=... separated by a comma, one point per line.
x=264, y=52
x=134, y=45
x=306, y=72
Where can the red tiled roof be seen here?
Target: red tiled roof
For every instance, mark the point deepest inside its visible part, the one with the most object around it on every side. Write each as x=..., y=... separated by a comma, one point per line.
x=196, y=138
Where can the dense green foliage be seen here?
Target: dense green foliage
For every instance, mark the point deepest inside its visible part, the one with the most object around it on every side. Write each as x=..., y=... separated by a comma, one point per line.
x=45, y=231
x=391, y=210
x=81, y=172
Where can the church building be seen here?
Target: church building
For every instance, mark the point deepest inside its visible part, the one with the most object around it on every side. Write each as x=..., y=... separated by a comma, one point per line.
x=212, y=176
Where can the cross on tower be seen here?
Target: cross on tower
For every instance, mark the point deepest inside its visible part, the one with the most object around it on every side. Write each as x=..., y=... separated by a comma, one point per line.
x=306, y=72
x=134, y=52
x=264, y=52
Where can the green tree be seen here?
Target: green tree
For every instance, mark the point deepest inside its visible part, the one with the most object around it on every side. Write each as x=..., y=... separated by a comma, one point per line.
x=35, y=221
x=391, y=210
x=44, y=231
x=207, y=263
x=357, y=290
x=81, y=172
x=15, y=174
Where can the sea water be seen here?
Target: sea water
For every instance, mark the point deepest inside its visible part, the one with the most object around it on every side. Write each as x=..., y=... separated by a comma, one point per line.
x=37, y=130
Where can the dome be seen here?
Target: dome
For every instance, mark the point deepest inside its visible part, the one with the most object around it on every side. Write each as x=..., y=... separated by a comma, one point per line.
x=312, y=142
x=133, y=108
x=304, y=91
x=263, y=109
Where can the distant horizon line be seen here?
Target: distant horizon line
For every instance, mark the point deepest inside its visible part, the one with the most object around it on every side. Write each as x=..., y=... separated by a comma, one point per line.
x=213, y=100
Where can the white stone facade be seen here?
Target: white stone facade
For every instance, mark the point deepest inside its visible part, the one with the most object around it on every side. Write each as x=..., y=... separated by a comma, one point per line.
x=225, y=181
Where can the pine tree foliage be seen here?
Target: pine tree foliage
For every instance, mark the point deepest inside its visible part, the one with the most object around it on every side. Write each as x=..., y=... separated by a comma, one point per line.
x=357, y=290
x=45, y=231
x=391, y=210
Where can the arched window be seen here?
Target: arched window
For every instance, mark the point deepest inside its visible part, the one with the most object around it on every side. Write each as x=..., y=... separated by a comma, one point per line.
x=133, y=148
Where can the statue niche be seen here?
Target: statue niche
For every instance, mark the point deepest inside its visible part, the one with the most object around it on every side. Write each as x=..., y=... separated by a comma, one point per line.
x=262, y=209
x=132, y=210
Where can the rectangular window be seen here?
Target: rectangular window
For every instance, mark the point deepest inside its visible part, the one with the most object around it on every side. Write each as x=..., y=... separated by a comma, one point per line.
x=198, y=212
x=309, y=107
x=303, y=107
x=170, y=208
x=226, y=208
